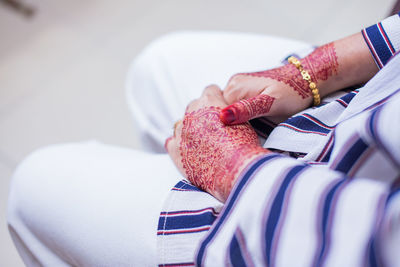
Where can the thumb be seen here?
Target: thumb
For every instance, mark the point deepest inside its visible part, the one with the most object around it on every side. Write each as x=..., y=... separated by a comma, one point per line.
x=246, y=109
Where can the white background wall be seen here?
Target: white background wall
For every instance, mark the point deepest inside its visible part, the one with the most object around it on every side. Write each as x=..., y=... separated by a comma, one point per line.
x=62, y=73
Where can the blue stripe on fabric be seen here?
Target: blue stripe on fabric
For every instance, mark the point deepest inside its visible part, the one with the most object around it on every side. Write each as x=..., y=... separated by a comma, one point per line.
x=315, y=120
x=348, y=97
x=351, y=157
x=379, y=43
x=328, y=154
x=185, y=186
x=372, y=121
x=230, y=204
x=306, y=124
x=276, y=209
x=371, y=49
x=372, y=257
x=176, y=264
x=325, y=218
x=372, y=129
x=393, y=192
x=391, y=47
x=186, y=221
x=235, y=253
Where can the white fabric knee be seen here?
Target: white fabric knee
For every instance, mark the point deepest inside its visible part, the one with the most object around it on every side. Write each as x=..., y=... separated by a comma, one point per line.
x=89, y=204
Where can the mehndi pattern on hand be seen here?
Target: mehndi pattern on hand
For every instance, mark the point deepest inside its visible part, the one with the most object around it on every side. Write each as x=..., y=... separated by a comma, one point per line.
x=322, y=63
x=213, y=153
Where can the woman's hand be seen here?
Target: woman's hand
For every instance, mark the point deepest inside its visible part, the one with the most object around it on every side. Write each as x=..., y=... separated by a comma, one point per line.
x=281, y=92
x=208, y=153
x=278, y=92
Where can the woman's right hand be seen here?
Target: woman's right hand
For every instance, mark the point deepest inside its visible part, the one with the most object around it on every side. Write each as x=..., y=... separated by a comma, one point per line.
x=281, y=92
x=278, y=92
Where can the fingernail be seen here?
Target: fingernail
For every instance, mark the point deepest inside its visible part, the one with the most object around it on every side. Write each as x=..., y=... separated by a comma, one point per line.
x=166, y=143
x=227, y=115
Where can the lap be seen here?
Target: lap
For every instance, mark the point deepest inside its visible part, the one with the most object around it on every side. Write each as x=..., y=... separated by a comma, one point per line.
x=92, y=204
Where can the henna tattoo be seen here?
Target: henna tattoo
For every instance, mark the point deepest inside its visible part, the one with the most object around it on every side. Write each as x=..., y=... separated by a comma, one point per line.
x=212, y=153
x=289, y=75
x=246, y=109
x=321, y=64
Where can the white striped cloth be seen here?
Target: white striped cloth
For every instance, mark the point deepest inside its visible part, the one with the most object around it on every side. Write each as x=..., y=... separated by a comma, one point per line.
x=383, y=39
x=337, y=206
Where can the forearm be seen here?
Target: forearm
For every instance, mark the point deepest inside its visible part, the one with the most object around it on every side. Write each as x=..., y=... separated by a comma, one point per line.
x=340, y=64
x=355, y=59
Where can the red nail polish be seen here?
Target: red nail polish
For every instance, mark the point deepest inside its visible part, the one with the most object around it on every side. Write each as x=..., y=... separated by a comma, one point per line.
x=227, y=115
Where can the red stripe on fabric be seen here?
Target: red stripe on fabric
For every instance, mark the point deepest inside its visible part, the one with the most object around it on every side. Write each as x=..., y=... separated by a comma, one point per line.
x=299, y=130
x=372, y=49
x=177, y=264
x=342, y=102
x=192, y=212
x=316, y=163
x=326, y=148
x=183, y=231
x=384, y=35
x=318, y=122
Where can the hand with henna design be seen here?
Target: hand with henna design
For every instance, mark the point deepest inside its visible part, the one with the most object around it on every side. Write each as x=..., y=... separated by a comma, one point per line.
x=281, y=92
x=208, y=153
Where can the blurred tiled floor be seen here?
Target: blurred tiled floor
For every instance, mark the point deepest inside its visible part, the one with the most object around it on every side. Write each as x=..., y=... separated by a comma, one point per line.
x=62, y=73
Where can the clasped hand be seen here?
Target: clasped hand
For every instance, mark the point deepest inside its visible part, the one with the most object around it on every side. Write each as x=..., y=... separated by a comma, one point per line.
x=209, y=153
x=214, y=142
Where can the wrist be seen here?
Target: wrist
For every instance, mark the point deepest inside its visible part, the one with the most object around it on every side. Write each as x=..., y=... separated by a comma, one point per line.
x=340, y=64
x=238, y=161
x=322, y=65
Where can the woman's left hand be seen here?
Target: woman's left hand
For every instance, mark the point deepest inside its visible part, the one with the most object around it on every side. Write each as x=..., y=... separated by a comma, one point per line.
x=208, y=153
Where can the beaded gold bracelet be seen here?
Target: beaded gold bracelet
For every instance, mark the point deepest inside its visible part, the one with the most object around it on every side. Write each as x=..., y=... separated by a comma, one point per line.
x=306, y=76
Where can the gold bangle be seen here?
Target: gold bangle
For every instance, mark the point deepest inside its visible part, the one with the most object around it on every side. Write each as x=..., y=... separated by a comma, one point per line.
x=306, y=76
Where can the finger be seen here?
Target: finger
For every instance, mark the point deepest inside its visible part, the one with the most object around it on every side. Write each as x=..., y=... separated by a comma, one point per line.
x=176, y=124
x=235, y=80
x=243, y=86
x=232, y=91
x=211, y=96
x=172, y=143
x=172, y=147
x=247, y=109
x=169, y=139
x=211, y=91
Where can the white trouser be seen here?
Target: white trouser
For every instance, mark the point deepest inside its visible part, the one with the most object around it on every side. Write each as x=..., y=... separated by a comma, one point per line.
x=90, y=204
